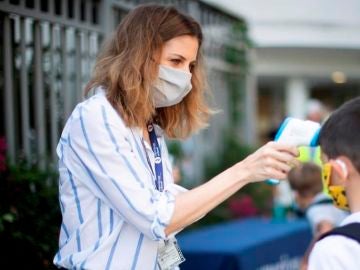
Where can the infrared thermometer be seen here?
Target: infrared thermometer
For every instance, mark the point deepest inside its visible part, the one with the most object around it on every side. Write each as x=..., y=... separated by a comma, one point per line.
x=297, y=132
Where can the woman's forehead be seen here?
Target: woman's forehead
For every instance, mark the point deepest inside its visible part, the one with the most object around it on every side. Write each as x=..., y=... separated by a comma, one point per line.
x=186, y=46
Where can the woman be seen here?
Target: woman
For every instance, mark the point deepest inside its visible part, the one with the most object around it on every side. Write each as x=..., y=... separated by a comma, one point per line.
x=120, y=206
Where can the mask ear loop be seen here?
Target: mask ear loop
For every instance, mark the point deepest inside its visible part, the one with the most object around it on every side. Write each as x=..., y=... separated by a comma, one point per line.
x=343, y=167
x=340, y=167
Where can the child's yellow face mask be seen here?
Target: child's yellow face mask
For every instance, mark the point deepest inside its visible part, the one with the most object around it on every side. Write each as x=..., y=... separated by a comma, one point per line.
x=336, y=192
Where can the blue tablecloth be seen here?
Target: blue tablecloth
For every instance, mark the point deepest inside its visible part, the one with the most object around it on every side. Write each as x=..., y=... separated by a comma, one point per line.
x=255, y=243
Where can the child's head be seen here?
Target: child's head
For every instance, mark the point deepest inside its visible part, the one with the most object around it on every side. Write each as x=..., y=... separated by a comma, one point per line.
x=339, y=139
x=340, y=134
x=305, y=180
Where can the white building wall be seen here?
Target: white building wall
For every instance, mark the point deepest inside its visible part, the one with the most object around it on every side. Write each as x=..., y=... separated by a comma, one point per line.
x=300, y=44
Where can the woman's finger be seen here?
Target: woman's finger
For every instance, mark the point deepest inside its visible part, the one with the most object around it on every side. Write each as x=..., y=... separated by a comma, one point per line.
x=281, y=156
x=278, y=165
x=284, y=148
x=295, y=163
x=273, y=173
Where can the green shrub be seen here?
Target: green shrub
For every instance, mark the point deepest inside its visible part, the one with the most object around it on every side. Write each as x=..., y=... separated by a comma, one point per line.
x=253, y=199
x=29, y=218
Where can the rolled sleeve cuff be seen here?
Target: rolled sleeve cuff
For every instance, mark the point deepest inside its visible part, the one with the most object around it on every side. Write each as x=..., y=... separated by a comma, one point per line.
x=165, y=209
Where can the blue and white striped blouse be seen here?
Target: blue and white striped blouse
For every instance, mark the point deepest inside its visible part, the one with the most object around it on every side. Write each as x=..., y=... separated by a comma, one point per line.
x=113, y=217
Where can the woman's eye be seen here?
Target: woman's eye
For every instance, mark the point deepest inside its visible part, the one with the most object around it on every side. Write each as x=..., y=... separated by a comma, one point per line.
x=176, y=61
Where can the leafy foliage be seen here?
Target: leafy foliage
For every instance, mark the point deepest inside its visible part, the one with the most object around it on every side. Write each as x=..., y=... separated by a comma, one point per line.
x=253, y=199
x=29, y=218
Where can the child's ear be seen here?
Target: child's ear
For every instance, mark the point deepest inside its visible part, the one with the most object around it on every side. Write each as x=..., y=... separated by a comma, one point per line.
x=339, y=167
x=349, y=166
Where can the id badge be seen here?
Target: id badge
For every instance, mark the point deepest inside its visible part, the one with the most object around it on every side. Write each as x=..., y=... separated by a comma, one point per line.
x=170, y=255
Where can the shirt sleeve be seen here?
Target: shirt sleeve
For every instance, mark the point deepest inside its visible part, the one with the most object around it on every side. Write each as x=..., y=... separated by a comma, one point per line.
x=99, y=149
x=319, y=213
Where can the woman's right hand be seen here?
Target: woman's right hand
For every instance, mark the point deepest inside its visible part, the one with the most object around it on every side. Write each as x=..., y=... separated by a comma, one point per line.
x=272, y=161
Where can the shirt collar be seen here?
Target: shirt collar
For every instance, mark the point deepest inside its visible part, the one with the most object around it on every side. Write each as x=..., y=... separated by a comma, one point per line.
x=355, y=217
x=100, y=90
x=319, y=197
x=159, y=131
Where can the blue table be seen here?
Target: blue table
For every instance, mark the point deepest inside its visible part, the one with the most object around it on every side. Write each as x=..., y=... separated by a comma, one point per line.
x=254, y=243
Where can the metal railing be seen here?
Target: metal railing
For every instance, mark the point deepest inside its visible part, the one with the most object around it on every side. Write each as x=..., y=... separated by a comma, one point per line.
x=48, y=51
x=49, y=48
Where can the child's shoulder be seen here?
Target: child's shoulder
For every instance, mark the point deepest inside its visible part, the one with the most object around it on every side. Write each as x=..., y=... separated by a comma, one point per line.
x=324, y=255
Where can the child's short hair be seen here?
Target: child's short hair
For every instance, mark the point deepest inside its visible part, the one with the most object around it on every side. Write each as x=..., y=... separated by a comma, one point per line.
x=340, y=135
x=306, y=179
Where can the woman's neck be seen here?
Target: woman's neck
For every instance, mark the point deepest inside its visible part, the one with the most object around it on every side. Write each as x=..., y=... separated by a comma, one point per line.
x=145, y=134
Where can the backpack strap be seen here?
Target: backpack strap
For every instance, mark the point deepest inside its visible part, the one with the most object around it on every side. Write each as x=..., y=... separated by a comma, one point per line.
x=351, y=230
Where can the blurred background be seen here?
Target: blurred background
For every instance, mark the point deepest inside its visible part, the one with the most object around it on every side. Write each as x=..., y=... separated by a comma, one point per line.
x=265, y=60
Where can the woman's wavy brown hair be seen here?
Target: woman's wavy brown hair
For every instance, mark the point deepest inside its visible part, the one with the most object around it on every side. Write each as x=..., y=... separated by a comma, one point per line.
x=125, y=67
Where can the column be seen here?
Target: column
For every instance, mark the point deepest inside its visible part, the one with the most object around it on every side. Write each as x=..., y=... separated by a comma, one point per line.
x=251, y=95
x=297, y=94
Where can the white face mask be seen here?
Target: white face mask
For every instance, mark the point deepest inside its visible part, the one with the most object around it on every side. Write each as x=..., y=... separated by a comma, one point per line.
x=171, y=87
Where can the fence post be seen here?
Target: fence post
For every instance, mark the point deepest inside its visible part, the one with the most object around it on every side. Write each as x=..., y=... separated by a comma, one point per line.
x=9, y=91
x=106, y=17
x=39, y=97
x=54, y=111
x=25, y=101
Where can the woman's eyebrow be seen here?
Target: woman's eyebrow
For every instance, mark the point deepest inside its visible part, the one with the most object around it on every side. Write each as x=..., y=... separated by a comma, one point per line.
x=182, y=57
x=178, y=55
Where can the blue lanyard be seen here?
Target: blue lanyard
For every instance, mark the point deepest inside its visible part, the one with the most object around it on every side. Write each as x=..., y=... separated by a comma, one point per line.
x=159, y=178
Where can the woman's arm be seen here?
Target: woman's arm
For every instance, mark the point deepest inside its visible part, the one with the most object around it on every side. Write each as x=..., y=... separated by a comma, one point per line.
x=270, y=161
